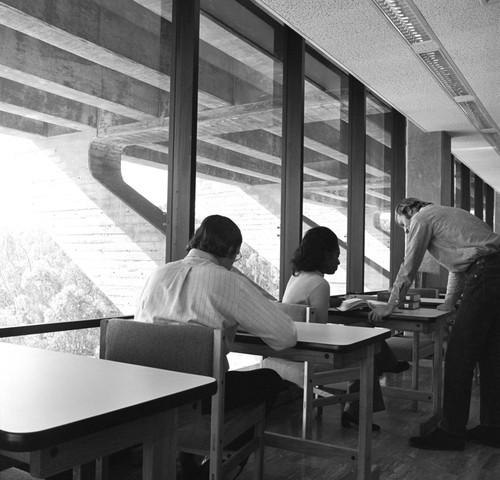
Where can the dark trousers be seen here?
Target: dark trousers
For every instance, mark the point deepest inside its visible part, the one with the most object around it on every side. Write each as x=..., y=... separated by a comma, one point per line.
x=384, y=361
x=249, y=387
x=252, y=387
x=475, y=339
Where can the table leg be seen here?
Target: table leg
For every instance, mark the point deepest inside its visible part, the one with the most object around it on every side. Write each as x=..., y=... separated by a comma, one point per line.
x=365, y=415
x=102, y=468
x=160, y=451
x=307, y=401
x=87, y=471
x=437, y=383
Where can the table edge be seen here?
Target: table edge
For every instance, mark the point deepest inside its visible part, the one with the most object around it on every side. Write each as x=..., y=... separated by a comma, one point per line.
x=30, y=441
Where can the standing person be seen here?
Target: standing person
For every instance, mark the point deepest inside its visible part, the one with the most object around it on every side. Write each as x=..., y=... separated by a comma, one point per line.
x=203, y=288
x=317, y=255
x=470, y=250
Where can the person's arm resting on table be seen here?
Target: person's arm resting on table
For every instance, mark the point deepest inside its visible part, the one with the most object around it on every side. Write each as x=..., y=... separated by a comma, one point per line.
x=262, y=318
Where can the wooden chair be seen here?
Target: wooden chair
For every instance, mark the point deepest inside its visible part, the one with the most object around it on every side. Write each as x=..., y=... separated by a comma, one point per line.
x=322, y=385
x=199, y=350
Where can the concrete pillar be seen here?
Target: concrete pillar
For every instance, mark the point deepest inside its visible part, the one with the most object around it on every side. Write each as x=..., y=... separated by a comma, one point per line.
x=429, y=177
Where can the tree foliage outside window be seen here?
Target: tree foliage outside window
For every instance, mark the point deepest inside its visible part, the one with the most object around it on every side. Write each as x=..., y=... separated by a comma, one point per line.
x=40, y=284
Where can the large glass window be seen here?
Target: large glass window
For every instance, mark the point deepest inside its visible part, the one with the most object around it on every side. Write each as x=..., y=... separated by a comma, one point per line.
x=84, y=162
x=377, y=194
x=239, y=132
x=326, y=155
x=457, y=182
x=472, y=204
x=84, y=133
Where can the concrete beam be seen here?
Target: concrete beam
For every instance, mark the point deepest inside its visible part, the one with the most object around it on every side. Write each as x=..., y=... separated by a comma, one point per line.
x=26, y=60
x=45, y=107
x=14, y=124
x=90, y=31
x=134, y=41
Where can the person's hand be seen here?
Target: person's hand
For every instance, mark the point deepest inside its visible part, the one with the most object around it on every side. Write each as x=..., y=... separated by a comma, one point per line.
x=378, y=313
x=445, y=307
x=335, y=302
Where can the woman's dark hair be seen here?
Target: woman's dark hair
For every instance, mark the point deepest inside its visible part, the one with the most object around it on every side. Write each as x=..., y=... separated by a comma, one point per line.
x=218, y=236
x=313, y=249
x=405, y=206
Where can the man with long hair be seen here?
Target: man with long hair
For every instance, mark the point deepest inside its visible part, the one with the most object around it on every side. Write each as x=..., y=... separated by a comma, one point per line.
x=470, y=251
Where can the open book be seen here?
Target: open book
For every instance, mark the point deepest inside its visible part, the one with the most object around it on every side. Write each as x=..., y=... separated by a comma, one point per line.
x=355, y=303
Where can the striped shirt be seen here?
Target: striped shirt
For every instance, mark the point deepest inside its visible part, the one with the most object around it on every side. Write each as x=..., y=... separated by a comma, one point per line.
x=198, y=289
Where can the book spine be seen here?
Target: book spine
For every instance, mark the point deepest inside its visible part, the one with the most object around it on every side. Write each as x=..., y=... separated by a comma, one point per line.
x=410, y=297
x=410, y=305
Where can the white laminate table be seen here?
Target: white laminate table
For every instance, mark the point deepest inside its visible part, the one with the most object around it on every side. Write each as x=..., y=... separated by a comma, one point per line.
x=418, y=321
x=338, y=346
x=59, y=410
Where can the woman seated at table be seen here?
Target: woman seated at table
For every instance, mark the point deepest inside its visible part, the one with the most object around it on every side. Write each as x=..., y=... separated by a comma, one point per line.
x=317, y=255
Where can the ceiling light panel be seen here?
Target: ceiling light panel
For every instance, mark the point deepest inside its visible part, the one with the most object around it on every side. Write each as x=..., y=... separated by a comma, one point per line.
x=445, y=73
x=480, y=120
x=409, y=22
x=406, y=19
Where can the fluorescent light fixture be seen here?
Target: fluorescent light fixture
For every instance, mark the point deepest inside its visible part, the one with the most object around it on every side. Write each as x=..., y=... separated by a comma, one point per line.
x=405, y=17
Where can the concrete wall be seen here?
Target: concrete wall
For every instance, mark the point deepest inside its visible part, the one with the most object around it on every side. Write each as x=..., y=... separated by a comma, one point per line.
x=429, y=173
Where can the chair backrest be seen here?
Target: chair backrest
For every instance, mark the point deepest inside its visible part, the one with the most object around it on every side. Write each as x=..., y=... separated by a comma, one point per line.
x=298, y=312
x=183, y=347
